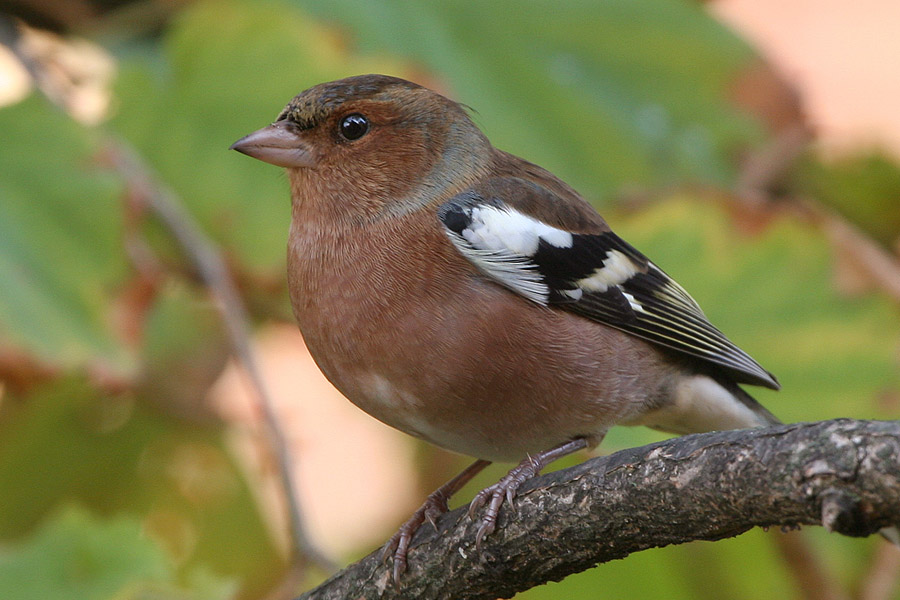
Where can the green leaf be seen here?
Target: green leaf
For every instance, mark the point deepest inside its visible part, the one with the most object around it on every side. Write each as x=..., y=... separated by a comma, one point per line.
x=184, y=349
x=608, y=95
x=64, y=444
x=228, y=68
x=61, y=256
x=865, y=188
x=74, y=555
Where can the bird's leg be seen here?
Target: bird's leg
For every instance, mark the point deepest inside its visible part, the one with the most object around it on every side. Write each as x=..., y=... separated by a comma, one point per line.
x=433, y=507
x=506, y=488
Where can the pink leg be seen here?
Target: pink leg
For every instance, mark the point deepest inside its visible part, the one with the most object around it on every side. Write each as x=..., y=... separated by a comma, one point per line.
x=506, y=488
x=433, y=507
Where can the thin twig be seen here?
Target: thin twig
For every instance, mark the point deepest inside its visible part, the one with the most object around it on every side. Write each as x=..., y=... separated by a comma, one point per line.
x=813, y=578
x=212, y=269
x=215, y=274
x=880, y=581
x=879, y=266
x=764, y=169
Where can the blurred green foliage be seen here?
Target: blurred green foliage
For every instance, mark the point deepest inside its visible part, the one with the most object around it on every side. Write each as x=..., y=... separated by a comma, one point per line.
x=74, y=555
x=56, y=204
x=608, y=95
x=864, y=187
x=616, y=97
x=68, y=444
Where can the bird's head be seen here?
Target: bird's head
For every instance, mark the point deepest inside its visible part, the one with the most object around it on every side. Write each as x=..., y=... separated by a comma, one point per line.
x=381, y=143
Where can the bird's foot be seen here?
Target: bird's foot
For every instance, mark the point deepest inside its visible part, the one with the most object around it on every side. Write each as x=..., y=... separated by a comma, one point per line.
x=433, y=507
x=507, y=488
x=503, y=491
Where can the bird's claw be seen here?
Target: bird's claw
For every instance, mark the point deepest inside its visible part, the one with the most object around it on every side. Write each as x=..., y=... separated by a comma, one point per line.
x=504, y=490
x=398, y=546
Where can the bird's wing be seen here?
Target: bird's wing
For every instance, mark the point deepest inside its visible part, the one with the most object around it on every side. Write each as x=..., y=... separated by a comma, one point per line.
x=594, y=273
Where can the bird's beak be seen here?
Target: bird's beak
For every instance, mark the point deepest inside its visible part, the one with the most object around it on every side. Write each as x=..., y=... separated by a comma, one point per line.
x=278, y=144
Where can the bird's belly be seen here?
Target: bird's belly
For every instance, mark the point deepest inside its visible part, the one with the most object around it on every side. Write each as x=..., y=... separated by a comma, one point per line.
x=496, y=432
x=488, y=387
x=405, y=411
x=432, y=404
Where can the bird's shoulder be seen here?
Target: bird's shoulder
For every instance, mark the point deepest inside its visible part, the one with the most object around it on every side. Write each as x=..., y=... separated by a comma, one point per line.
x=534, y=191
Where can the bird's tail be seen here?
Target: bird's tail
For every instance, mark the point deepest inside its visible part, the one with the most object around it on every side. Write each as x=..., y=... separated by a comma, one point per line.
x=766, y=418
x=701, y=403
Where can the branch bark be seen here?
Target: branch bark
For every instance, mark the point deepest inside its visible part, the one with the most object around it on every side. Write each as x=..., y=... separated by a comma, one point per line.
x=842, y=474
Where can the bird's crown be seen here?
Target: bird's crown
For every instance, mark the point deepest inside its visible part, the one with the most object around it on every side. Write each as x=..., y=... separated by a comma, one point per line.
x=312, y=106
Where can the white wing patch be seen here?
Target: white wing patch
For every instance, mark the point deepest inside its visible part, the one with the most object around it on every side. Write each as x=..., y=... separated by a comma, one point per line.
x=505, y=229
x=517, y=273
x=633, y=303
x=616, y=270
x=502, y=241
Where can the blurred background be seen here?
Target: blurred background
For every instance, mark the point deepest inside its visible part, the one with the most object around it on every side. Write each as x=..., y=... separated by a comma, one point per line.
x=750, y=147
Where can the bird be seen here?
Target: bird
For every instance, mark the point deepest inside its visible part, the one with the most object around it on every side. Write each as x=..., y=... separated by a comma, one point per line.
x=474, y=300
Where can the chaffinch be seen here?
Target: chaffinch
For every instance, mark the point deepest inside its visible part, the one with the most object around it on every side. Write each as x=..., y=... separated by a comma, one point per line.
x=474, y=300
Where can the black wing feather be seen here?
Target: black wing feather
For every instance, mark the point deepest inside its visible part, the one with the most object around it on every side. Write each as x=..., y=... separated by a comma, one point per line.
x=637, y=297
x=652, y=306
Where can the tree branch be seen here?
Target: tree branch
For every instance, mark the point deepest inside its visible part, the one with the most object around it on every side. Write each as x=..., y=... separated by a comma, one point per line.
x=842, y=474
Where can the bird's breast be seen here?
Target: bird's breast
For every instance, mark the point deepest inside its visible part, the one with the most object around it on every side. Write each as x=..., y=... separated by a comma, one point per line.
x=411, y=333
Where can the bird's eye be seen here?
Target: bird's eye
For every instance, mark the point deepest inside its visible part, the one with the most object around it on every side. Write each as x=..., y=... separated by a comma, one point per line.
x=354, y=127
